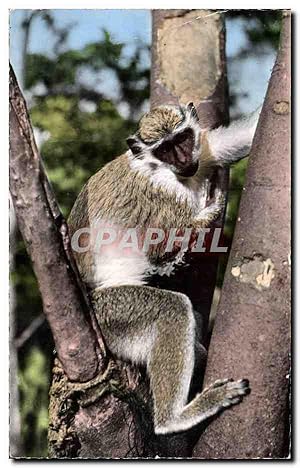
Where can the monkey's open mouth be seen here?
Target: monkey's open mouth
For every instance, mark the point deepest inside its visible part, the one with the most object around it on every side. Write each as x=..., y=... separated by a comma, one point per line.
x=177, y=150
x=189, y=171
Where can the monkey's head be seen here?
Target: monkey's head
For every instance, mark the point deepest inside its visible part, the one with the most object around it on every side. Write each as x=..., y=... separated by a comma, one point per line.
x=171, y=136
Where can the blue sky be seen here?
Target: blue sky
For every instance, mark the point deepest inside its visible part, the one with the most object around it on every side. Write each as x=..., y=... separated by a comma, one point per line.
x=128, y=26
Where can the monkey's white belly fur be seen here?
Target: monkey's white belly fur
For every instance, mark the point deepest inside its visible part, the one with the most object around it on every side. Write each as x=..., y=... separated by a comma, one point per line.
x=116, y=266
x=112, y=268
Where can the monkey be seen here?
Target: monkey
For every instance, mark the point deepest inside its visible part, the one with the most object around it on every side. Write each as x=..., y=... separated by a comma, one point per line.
x=158, y=183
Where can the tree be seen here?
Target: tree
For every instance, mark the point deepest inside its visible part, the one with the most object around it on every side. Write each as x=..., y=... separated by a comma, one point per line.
x=76, y=125
x=251, y=336
x=176, y=79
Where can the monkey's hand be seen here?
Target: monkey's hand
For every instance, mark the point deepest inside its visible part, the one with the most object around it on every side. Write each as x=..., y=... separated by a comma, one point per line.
x=211, y=212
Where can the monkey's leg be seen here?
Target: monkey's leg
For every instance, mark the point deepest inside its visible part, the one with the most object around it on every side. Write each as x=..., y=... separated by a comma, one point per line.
x=171, y=361
x=171, y=367
x=157, y=327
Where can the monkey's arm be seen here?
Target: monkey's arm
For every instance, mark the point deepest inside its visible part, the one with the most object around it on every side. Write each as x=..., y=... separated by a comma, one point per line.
x=228, y=145
x=224, y=146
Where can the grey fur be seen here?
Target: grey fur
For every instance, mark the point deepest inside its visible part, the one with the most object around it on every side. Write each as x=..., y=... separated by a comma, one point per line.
x=140, y=323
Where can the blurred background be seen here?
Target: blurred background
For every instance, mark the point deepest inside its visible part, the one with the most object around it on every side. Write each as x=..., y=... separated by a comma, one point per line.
x=85, y=75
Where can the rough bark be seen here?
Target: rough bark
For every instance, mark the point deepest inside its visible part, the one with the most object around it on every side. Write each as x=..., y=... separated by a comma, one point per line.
x=251, y=336
x=45, y=234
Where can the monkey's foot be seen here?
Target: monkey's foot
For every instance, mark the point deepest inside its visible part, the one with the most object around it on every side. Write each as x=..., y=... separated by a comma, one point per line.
x=215, y=398
x=224, y=393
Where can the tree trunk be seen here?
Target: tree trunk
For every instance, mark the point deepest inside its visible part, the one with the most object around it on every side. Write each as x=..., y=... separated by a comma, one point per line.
x=189, y=64
x=251, y=336
x=77, y=339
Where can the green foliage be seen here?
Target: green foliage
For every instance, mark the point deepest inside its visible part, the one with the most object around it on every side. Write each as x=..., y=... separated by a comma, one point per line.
x=34, y=387
x=237, y=177
x=103, y=53
x=79, y=142
x=62, y=69
x=26, y=289
x=266, y=28
x=262, y=28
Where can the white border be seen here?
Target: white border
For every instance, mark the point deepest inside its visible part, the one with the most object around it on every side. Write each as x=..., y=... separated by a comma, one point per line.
x=112, y=4
x=119, y=4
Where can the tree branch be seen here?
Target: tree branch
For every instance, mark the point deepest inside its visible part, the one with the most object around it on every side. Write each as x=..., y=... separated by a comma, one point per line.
x=251, y=336
x=46, y=237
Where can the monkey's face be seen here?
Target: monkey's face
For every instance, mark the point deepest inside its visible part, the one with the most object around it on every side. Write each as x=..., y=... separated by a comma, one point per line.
x=169, y=135
x=177, y=151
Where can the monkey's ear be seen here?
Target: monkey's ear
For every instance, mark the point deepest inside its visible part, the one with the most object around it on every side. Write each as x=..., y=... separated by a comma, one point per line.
x=134, y=144
x=192, y=110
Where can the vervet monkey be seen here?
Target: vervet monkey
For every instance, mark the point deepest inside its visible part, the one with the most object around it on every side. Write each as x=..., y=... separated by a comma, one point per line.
x=158, y=183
